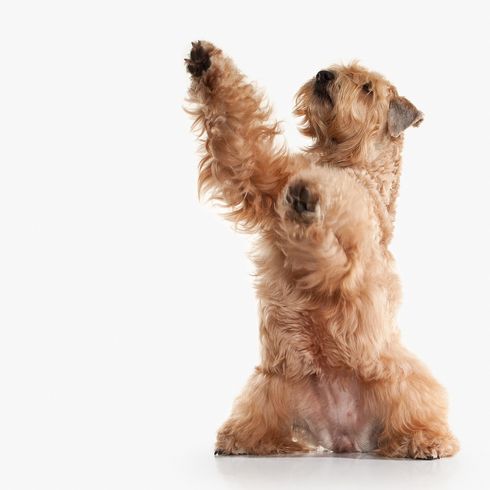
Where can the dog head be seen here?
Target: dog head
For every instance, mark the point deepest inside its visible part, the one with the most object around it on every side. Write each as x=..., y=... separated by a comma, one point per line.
x=353, y=114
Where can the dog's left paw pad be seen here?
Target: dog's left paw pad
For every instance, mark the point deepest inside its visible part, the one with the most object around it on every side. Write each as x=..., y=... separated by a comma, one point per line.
x=199, y=60
x=301, y=199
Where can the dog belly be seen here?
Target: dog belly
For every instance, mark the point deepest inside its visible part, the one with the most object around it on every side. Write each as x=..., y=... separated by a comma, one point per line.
x=333, y=414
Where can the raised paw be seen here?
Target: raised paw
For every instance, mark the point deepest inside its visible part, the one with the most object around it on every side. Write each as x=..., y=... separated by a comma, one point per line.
x=200, y=58
x=301, y=199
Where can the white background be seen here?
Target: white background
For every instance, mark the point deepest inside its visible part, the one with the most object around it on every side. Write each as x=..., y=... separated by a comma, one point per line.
x=127, y=316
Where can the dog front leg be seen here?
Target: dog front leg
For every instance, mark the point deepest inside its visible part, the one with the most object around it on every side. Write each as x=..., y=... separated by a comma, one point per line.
x=240, y=166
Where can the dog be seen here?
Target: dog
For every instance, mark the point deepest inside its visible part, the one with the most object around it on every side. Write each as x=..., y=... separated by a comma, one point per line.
x=334, y=375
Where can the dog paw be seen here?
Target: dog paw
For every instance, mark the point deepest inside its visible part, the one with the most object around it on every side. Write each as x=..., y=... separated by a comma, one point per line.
x=438, y=447
x=230, y=442
x=226, y=446
x=199, y=59
x=263, y=449
x=301, y=199
x=229, y=452
x=422, y=445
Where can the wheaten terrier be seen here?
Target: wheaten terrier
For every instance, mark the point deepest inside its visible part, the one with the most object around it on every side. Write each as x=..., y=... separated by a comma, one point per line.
x=333, y=373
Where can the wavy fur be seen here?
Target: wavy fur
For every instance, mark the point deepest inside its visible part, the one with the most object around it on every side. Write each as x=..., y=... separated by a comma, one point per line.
x=333, y=372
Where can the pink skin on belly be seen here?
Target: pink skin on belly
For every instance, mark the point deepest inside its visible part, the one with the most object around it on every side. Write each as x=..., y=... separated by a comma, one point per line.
x=334, y=414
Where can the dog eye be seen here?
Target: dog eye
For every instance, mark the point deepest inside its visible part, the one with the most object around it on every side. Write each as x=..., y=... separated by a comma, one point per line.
x=367, y=87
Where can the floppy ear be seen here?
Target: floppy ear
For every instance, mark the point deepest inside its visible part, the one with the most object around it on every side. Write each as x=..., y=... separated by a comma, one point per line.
x=402, y=114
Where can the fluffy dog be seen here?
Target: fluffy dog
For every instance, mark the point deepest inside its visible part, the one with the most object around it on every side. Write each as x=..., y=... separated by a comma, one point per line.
x=333, y=374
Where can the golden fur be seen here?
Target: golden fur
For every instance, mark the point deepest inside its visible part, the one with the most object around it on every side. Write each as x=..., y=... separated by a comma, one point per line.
x=333, y=373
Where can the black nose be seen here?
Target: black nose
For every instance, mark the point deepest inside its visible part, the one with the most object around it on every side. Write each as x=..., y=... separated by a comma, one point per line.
x=324, y=76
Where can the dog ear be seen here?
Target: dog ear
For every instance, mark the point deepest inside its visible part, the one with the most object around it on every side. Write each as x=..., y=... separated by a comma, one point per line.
x=402, y=114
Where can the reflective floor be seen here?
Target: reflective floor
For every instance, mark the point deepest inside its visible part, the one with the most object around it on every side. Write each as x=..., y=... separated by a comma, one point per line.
x=199, y=470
